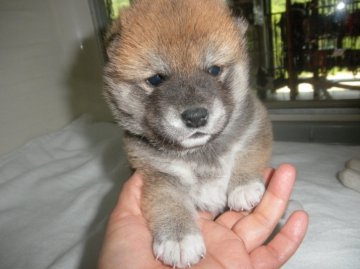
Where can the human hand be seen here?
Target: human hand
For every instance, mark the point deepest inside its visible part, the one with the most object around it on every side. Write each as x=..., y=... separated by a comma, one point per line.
x=233, y=240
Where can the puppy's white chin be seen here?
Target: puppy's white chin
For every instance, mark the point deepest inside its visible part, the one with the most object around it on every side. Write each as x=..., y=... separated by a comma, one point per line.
x=193, y=142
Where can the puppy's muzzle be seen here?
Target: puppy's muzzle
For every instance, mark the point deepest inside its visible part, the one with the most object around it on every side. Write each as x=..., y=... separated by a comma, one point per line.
x=195, y=117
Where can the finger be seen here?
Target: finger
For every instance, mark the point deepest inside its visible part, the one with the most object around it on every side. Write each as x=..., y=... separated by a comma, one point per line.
x=284, y=244
x=230, y=218
x=257, y=226
x=205, y=215
x=269, y=172
x=130, y=197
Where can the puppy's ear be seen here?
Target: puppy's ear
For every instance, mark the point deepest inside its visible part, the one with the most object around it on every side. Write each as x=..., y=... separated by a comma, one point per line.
x=113, y=35
x=242, y=24
x=110, y=39
x=237, y=16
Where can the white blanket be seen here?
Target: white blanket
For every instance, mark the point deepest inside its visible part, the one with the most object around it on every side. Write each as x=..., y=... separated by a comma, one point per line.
x=57, y=191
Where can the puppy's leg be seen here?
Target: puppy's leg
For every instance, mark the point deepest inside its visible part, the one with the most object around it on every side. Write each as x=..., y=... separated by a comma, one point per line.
x=172, y=219
x=246, y=186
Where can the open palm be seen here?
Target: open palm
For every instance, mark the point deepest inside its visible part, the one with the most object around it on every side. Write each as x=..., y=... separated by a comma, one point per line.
x=233, y=240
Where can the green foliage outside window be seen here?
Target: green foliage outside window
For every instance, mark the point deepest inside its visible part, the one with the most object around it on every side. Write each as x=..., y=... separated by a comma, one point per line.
x=114, y=6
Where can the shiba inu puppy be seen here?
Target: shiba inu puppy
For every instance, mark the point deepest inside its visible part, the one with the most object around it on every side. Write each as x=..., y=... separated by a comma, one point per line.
x=177, y=82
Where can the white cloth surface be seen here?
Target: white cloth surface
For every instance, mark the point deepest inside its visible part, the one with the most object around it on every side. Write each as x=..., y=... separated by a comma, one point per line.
x=55, y=195
x=57, y=191
x=333, y=238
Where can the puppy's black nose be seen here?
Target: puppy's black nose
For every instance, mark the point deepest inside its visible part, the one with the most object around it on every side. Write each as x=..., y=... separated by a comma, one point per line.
x=195, y=117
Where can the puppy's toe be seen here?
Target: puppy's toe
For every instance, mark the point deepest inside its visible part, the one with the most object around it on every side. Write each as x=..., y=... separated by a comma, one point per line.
x=182, y=253
x=247, y=196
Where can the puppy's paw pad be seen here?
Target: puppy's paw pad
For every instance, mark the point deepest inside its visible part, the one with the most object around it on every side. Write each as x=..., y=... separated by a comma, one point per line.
x=180, y=254
x=247, y=196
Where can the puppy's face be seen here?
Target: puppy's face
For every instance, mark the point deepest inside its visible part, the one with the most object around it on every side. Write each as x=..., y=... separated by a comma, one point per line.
x=177, y=71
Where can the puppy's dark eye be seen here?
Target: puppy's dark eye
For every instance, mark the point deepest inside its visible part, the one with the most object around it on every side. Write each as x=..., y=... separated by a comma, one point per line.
x=156, y=80
x=214, y=70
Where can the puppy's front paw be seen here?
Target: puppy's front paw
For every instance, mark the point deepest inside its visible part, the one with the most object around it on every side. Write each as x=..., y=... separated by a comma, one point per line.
x=247, y=196
x=183, y=253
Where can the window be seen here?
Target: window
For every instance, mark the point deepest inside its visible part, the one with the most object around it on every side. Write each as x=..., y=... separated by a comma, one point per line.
x=316, y=49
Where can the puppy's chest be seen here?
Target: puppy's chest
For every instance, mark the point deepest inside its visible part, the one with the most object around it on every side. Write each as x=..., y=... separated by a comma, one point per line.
x=211, y=195
x=207, y=184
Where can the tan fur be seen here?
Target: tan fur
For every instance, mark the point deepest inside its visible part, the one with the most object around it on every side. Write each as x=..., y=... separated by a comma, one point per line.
x=140, y=55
